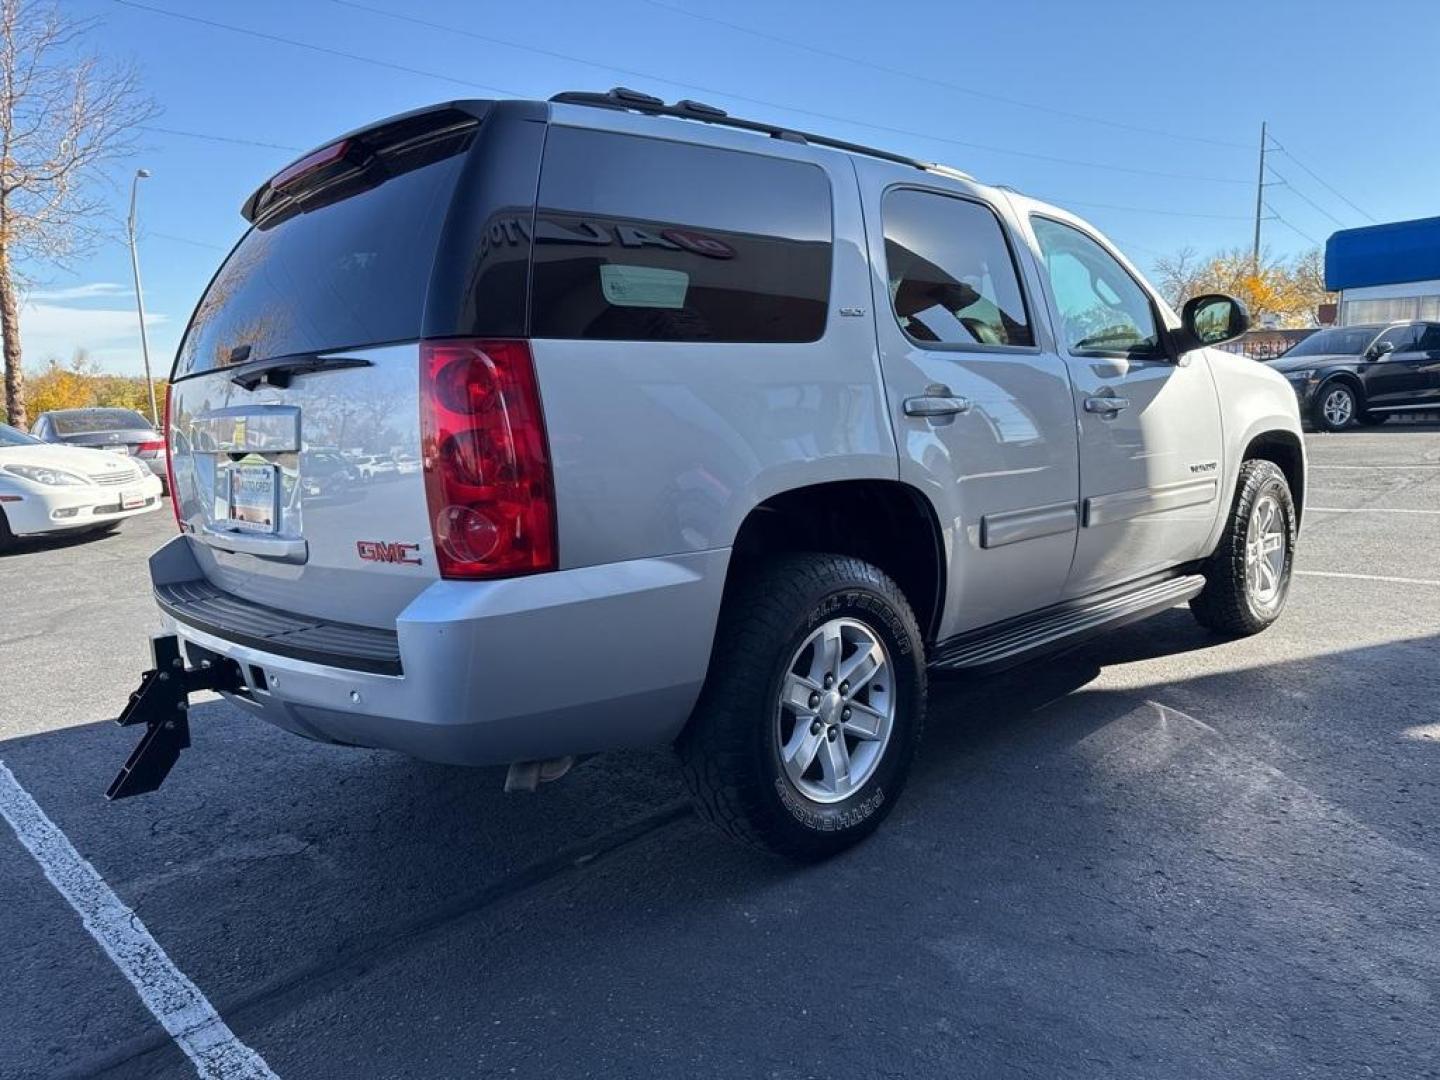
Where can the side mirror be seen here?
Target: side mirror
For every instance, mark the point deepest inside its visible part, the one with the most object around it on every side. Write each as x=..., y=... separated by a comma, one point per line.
x=1379, y=349
x=1211, y=319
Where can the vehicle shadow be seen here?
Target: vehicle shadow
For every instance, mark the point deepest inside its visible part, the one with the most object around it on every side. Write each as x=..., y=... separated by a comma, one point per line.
x=1391, y=427
x=61, y=541
x=1055, y=837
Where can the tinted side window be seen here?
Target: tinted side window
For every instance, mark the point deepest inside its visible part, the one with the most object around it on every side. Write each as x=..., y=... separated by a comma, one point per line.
x=638, y=239
x=1104, y=310
x=1430, y=339
x=1404, y=338
x=952, y=276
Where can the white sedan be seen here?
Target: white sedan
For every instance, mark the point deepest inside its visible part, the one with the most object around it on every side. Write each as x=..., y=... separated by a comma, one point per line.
x=50, y=489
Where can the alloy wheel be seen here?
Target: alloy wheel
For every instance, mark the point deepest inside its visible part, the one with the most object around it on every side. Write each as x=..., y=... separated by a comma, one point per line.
x=1339, y=406
x=1266, y=545
x=836, y=710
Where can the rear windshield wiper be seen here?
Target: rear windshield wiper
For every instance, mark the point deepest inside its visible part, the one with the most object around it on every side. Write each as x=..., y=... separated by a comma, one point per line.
x=279, y=370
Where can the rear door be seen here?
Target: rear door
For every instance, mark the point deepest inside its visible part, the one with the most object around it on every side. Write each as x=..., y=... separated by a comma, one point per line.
x=979, y=399
x=300, y=363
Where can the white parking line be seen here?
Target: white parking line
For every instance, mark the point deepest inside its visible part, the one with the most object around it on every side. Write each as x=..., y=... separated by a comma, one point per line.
x=1372, y=468
x=174, y=1000
x=1366, y=510
x=1368, y=577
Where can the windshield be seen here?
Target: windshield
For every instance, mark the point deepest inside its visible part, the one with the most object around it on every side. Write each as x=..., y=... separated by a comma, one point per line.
x=1342, y=341
x=10, y=437
x=86, y=421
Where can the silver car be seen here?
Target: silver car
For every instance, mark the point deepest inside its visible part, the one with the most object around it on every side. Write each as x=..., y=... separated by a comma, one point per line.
x=731, y=436
x=122, y=431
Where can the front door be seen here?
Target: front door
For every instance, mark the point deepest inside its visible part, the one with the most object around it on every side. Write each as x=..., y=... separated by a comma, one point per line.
x=1403, y=375
x=1149, y=422
x=979, y=399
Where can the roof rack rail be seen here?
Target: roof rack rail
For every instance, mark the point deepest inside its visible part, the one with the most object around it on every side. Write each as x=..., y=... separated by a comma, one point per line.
x=633, y=100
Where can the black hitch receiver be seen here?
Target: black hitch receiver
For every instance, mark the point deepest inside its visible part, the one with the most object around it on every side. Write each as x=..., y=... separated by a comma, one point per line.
x=162, y=704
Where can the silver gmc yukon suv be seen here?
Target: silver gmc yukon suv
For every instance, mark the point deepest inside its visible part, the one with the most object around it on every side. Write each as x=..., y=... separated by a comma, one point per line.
x=516, y=431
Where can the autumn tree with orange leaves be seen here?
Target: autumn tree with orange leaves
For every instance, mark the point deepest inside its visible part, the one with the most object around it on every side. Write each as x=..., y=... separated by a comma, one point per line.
x=1289, y=290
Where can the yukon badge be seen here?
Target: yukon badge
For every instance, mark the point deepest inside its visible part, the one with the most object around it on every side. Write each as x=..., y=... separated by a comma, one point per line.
x=386, y=551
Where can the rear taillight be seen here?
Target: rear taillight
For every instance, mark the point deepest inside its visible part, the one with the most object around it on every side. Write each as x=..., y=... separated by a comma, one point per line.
x=486, y=459
x=153, y=446
x=170, y=464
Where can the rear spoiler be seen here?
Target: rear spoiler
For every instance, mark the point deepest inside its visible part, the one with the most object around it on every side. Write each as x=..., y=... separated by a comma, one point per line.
x=356, y=151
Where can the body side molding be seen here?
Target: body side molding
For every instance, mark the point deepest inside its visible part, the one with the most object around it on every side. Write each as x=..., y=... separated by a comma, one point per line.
x=1013, y=526
x=1107, y=509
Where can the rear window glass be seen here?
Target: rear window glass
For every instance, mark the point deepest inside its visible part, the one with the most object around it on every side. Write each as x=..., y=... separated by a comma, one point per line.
x=638, y=239
x=81, y=423
x=10, y=437
x=347, y=273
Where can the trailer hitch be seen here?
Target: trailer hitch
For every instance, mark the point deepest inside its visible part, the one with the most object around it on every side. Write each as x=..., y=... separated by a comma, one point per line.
x=162, y=704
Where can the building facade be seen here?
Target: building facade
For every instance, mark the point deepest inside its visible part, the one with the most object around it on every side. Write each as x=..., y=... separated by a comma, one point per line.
x=1386, y=273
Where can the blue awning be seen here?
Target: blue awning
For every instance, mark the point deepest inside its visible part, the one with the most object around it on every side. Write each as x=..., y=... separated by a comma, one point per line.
x=1383, y=254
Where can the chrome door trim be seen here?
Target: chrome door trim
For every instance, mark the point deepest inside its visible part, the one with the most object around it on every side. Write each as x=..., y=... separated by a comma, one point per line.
x=1108, y=509
x=1013, y=526
x=273, y=429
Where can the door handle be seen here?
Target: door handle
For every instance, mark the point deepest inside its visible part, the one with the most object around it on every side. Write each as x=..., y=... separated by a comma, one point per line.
x=1108, y=405
x=936, y=405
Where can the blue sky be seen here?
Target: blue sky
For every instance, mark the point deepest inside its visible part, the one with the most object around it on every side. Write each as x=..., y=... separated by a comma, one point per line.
x=1153, y=107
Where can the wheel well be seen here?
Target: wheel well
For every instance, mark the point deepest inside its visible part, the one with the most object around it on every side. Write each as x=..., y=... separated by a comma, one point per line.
x=1284, y=449
x=884, y=522
x=1349, y=380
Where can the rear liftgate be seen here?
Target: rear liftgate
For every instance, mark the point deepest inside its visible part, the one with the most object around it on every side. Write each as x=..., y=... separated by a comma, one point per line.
x=162, y=704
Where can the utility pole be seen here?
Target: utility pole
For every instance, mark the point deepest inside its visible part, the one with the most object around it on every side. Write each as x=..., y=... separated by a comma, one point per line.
x=1259, y=203
x=141, y=174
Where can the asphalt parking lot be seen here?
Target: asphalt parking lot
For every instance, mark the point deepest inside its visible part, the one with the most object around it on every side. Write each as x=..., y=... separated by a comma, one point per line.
x=1162, y=856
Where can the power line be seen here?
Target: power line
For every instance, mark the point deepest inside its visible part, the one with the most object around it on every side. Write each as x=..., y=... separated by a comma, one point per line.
x=326, y=50
x=218, y=138
x=984, y=94
x=1319, y=180
x=275, y=38
x=1275, y=216
x=1152, y=210
x=184, y=240
x=1301, y=195
x=833, y=117
x=1130, y=245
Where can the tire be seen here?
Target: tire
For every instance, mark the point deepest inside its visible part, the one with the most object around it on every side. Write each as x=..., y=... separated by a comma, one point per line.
x=1239, y=600
x=1373, y=419
x=1336, y=407
x=777, y=621
x=7, y=538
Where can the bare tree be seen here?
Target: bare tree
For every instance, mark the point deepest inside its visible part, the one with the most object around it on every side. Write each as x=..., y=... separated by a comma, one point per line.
x=1180, y=275
x=65, y=118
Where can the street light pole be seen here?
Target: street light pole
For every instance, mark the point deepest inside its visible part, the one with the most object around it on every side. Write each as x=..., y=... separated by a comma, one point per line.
x=141, y=174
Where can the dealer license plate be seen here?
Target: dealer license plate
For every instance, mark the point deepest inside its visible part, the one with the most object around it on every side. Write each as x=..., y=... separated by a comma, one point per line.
x=253, y=504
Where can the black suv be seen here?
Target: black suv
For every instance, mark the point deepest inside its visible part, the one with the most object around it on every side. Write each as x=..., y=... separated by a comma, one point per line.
x=1365, y=373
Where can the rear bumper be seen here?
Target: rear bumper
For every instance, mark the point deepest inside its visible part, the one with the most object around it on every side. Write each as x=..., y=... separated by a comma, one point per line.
x=576, y=661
